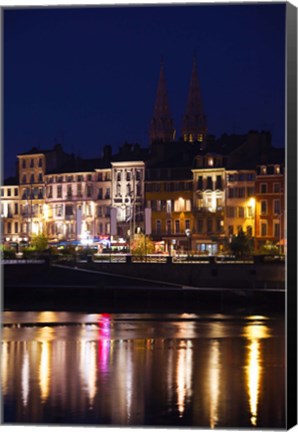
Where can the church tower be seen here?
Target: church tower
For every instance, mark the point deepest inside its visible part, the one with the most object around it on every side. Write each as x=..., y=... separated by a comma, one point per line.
x=161, y=127
x=194, y=123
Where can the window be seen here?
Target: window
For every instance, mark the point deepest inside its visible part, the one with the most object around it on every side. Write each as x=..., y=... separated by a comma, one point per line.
x=128, y=176
x=187, y=205
x=209, y=183
x=219, y=225
x=138, y=175
x=31, y=163
x=16, y=227
x=9, y=192
x=69, y=191
x=59, y=191
x=23, y=163
x=187, y=224
x=2, y=192
x=24, y=179
x=276, y=187
x=16, y=192
x=250, y=191
x=59, y=210
x=168, y=224
x=79, y=190
x=241, y=192
x=89, y=177
x=276, y=230
x=158, y=205
x=218, y=182
x=158, y=226
x=108, y=192
x=40, y=162
x=231, y=193
x=241, y=212
x=263, y=207
x=249, y=212
x=277, y=169
x=276, y=206
x=119, y=177
x=68, y=210
x=32, y=178
x=100, y=228
x=177, y=226
x=169, y=206
x=50, y=191
x=89, y=191
x=9, y=228
x=16, y=208
x=263, y=187
x=230, y=230
x=200, y=225
x=139, y=189
x=40, y=177
x=200, y=182
x=263, y=228
x=209, y=225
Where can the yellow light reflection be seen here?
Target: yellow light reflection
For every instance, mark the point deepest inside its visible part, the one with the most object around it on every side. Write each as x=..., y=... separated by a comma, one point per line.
x=4, y=364
x=254, y=332
x=44, y=370
x=25, y=378
x=45, y=335
x=184, y=376
x=214, y=382
x=88, y=368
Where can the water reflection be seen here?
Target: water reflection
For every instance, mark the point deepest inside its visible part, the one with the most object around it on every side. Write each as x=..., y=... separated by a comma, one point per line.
x=103, y=369
x=25, y=377
x=254, y=370
x=214, y=382
x=184, y=375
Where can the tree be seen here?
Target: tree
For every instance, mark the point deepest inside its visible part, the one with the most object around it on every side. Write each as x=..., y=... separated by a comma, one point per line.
x=241, y=245
x=39, y=242
x=142, y=245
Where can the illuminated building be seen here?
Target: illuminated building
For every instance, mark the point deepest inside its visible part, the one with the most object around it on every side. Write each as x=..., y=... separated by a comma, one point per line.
x=10, y=211
x=128, y=196
x=270, y=205
x=169, y=195
x=209, y=202
x=240, y=202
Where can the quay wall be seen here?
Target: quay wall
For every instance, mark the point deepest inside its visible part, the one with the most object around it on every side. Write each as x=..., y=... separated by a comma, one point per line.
x=264, y=275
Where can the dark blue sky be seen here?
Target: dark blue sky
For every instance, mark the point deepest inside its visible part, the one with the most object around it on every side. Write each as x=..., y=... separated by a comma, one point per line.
x=87, y=77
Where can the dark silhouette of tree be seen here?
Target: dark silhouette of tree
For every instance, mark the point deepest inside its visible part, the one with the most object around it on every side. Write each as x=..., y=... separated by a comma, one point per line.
x=241, y=245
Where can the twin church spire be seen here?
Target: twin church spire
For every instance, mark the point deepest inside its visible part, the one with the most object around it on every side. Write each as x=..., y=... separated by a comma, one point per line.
x=194, y=123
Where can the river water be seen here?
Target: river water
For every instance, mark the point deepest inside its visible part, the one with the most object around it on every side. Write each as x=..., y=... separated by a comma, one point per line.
x=143, y=369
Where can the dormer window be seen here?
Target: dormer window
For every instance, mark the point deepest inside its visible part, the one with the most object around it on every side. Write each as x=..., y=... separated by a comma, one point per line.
x=210, y=161
x=264, y=170
x=277, y=169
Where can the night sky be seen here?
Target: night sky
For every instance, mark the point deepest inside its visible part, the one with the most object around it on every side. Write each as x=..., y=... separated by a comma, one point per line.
x=87, y=77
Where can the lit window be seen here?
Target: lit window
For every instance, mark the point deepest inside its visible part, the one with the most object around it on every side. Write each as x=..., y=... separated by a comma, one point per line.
x=210, y=161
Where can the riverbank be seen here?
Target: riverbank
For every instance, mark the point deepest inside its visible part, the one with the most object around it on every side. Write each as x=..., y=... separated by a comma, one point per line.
x=90, y=287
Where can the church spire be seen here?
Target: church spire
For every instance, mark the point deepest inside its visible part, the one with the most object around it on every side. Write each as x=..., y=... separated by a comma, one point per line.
x=161, y=127
x=194, y=123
